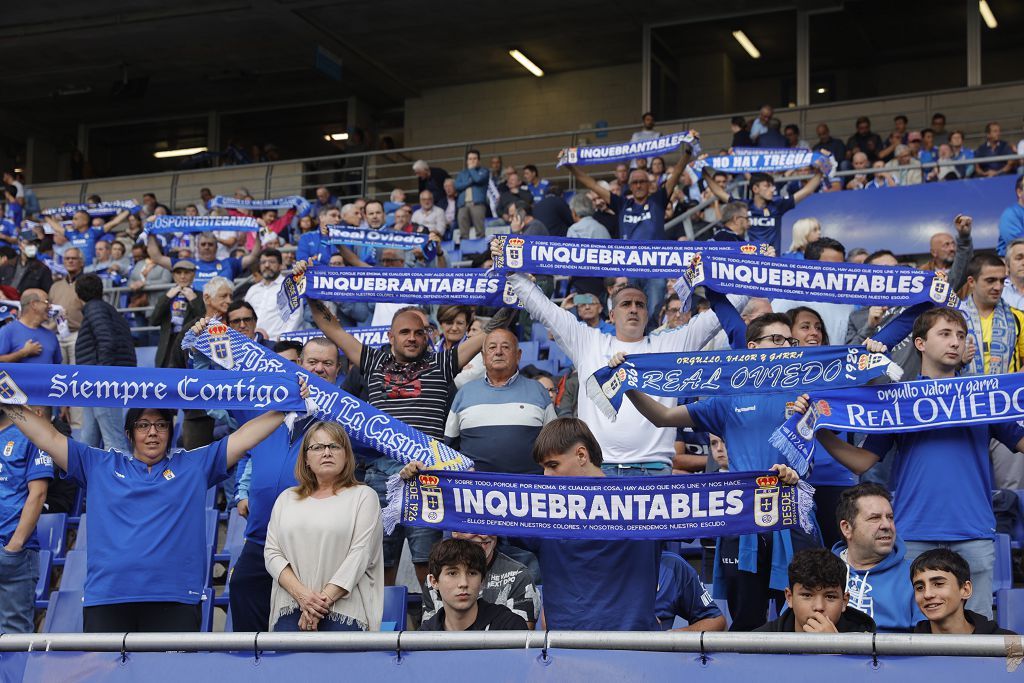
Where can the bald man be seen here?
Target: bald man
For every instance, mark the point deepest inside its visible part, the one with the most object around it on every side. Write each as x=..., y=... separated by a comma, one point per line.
x=943, y=250
x=25, y=340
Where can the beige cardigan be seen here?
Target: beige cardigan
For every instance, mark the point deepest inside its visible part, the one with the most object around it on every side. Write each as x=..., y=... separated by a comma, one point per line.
x=335, y=540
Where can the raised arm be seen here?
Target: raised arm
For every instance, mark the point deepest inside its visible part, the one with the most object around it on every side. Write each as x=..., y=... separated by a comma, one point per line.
x=729, y=318
x=657, y=413
x=957, y=275
x=250, y=434
x=586, y=181
x=716, y=189
x=853, y=458
x=157, y=256
x=59, y=237
x=40, y=432
x=254, y=255
x=685, y=157
x=117, y=220
x=809, y=188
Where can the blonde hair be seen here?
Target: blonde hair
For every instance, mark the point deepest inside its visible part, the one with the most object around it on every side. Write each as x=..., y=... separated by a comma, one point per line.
x=308, y=483
x=801, y=229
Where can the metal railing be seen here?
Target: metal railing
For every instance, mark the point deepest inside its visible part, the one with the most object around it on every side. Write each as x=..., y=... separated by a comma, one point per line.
x=864, y=644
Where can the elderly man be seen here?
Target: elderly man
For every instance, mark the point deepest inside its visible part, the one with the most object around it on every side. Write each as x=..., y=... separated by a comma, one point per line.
x=430, y=215
x=584, y=223
x=735, y=223
x=760, y=125
x=513, y=192
x=432, y=179
x=860, y=180
x=942, y=248
x=262, y=296
x=905, y=169
x=324, y=200
x=496, y=419
x=25, y=340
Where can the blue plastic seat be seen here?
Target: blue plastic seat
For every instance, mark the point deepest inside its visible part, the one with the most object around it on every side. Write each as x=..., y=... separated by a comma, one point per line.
x=394, y=606
x=1017, y=536
x=207, y=603
x=43, y=584
x=64, y=613
x=82, y=537
x=233, y=539
x=477, y=246
x=556, y=354
x=539, y=334
x=75, y=567
x=548, y=366
x=211, y=497
x=531, y=351
x=51, y=530
x=1002, y=573
x=1010, y=609
x=145, y=356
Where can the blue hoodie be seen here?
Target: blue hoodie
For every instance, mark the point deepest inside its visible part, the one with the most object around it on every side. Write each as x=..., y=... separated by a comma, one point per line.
x=883, y=592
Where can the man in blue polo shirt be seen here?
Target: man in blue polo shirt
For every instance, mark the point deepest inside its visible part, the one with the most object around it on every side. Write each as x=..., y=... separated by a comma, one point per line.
x=25, y=474
x=208, y=266
x=1011, y=222
x=993, y=147
x=25, y=340
x=535, y=185
x=83, y=234
x=942, y=477
x=766, y=210
x=642, y=213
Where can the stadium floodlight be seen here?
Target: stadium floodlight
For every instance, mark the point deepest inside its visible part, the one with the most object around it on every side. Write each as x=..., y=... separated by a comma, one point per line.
x=526, y=62
x=822, y=91
x=335, y=137
x=742, y=39
x=986, y=14
x=183, y=152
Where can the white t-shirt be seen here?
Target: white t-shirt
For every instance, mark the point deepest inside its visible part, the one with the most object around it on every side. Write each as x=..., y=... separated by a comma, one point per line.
x=263, y=298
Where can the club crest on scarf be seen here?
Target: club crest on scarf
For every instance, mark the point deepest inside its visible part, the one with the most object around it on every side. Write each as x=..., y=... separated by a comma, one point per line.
x=433, y=503
x=220, y=346
x=9, y=391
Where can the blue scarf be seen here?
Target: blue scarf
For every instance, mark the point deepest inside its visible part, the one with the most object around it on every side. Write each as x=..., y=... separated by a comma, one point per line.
x=101, y=210
x=626, y=151
x=726, y=373
x=362, y=422
x=99, y=386
x=380, y=239
x=582, y=257
x=837, y=283
x=1003, y=343
x=300, y=204
x=756, y=160
x=367, y=336
x=611, y=508
x=921, y=405
x=162, y=225
x=396, y=285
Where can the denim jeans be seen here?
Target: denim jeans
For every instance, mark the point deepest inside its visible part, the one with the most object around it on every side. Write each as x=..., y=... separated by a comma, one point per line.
x=980, y=555
x=20, y=572
x=104, y=428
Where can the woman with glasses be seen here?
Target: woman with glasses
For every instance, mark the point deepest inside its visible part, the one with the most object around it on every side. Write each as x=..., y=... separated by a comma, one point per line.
x=148, y=555
x=325, y=542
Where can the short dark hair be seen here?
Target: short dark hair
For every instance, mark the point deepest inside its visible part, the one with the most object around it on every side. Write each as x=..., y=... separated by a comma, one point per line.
x=927, y=130
x=235, y=305
x=901, y=117
x=793, y=127
x=561, y=434
x=793, y=312
x=758, y=324
x=942, y=560
x=89, y=287
x=8, y=252
x=758, y=178
x=273, y=253
x=133, y=415
x=373, y=201
x=937, y=115
x=879, y=254
x=739, y=121
x=812, y=252
x=473, y=151
x=848, y=507
x=981, y=261
x=817, y=568
x=862, y=119
x=926, y=321
x=646, y=114
x=1020, y=183
x=286, y=344
x=531, y=168
x=454, y=552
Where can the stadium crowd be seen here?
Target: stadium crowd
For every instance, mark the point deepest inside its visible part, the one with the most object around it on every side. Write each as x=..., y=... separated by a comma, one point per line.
x=887, y=554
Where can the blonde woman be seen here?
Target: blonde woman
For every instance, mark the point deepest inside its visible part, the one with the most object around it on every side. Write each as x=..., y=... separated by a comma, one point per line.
x=805, y=231
x=325, y=542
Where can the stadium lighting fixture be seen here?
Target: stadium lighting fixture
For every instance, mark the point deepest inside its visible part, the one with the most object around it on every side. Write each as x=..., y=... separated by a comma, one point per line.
x=822, y=91
x=526, y=62
x=183, y=152
x=986, y=14
x=336, y=137
x=742, y=39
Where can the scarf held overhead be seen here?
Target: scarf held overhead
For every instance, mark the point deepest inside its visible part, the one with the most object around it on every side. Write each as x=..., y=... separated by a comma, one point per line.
x=162, y=225
x=904, y=407
x=581, y=257
x=753, y=160
x=725, y=373
x=300, y=204
x=382, y=239
x=396, y=285
x=98, y=386
x=101, y=210
x=837, y=283
x=367, y=336
x=611, y=508
x=361, y=421
x=626, y=151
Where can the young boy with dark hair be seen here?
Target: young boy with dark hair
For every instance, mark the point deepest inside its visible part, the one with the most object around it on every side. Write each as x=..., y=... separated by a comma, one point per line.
x=456, y=569
x=817, y=598
x=942, y=586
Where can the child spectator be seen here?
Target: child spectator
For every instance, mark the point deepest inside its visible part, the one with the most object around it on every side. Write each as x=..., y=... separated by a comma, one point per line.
x=942, y=586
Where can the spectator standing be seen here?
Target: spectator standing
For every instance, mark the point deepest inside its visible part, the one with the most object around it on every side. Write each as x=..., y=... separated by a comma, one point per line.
x=939, y=128
x=961, y=153
x=793, y=139
x=25, y=340
x=760, y=125
x=25, y=271
x=324, y=200
x=805, y=231
x=262, y=296
x=584, y=224
x=740, y=133
x=83, y=234
x=62, y=293
x=433, y=179
x=863, y=140
x=993, y=147
x=173, y=308
x=734, y=224
x=835, y=316
x=553, y=212
x=208, y=266
x=1013, y=288
x=535, y=185
x=103, y=339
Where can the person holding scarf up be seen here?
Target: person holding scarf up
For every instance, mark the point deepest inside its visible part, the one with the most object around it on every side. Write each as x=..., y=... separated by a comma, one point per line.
x=148, y=556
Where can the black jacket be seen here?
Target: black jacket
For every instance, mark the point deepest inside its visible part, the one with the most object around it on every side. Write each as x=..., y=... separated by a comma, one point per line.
x=850, y=621
x=161, y=316
x=490, y=617
x=983, y=626
x=104, y=337
x=35, y=276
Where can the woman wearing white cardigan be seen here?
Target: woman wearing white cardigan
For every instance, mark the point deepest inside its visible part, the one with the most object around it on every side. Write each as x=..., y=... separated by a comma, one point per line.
x=325, y=542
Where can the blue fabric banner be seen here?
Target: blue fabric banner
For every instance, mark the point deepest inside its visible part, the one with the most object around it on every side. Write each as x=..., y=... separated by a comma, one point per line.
x=300, y=204
x=162, y=225
x=749, y=371
x=397, y=285
x=612, y=508
x=101, y=210
x=627, y=151
x=839, y=283
x=756, y=160
x=581, y=257
x=363, y=423
x=905, y=407
x=368, y=336
x=98, y=386
x=366, y=237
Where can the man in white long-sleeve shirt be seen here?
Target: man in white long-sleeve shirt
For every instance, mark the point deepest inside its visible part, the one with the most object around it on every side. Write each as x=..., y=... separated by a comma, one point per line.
x=632, y=446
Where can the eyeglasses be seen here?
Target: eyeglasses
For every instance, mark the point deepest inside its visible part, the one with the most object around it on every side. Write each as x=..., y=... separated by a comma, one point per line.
x=248, y=320
x=779, y=340
x=144, y=425
x=321, y=447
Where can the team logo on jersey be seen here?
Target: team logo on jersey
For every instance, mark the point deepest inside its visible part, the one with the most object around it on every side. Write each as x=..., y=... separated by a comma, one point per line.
x=515, y=252
x=168, y=475
x=8, y=449
x=433, y=504
x=9, y=391
x=219, y=266
x=766, y=501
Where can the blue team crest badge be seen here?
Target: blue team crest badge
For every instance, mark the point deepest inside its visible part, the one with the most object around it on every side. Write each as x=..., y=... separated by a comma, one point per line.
x=766, y=501
x=220, y=346
x=9, y=391
x=433, y=504
x=8, y=449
